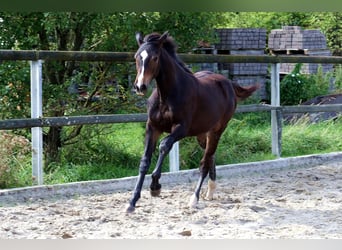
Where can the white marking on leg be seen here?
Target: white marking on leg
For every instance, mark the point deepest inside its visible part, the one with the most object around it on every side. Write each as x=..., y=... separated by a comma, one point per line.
x=193, y=201
x=143, y=55
x=211, y=190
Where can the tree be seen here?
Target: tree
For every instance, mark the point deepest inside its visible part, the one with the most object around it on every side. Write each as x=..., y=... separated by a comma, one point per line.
x=331, y=25
x=90, y=32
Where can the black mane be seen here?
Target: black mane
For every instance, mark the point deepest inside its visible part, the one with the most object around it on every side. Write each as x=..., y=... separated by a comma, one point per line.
x=170, y=46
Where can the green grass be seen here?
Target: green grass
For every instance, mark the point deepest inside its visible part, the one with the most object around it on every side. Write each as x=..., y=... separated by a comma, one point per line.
x=104, y=152
x=304, y=138
x=247, y=138
x=114, y=151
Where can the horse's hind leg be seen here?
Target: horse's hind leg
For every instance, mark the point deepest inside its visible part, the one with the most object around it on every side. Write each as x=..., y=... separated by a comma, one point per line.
x=202, y=140
x=207, y=165
x=211, y=182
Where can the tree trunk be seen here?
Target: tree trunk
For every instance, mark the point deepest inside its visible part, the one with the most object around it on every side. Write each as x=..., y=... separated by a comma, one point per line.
x=52, y=145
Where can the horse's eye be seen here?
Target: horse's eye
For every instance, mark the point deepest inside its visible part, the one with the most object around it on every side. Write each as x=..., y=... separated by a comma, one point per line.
x=155, y=58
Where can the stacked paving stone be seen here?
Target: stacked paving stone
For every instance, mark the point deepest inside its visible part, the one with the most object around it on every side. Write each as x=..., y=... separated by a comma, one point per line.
x=236, y=39
x=245, y=41
x=294, y=40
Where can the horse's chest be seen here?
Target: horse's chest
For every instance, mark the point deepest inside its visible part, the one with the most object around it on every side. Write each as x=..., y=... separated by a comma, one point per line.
x=161, y=117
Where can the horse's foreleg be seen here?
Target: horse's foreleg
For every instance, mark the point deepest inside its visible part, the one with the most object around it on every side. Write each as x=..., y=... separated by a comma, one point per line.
x=150, y=144
x=164, y=148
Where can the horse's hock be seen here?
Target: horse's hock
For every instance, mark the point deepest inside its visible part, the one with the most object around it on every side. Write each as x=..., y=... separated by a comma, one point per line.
x=290, y=40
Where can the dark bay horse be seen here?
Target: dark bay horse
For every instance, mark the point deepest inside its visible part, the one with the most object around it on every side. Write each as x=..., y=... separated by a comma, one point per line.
x=183, y=104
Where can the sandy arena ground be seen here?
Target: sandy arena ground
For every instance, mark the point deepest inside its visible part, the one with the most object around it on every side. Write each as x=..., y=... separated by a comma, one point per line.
x=300, y=203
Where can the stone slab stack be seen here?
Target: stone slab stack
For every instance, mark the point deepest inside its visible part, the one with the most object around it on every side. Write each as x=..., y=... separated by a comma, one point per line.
x=293, y=40
x=243, y=41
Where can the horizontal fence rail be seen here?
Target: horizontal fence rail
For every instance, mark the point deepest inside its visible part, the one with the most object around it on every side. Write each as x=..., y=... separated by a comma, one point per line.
x=36, y=122
x=142, y=117
x=29, y=55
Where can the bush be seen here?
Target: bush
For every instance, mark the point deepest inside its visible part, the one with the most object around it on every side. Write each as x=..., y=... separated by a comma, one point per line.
x=296, y=87
x=15, y=167
x=338, y=79
x=293, y=87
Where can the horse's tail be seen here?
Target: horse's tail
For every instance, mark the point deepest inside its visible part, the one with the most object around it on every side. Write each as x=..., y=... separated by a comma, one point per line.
x=242, y=93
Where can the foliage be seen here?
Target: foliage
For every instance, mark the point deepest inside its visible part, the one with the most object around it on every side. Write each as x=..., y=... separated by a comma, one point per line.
x=115, y=151
x=310, y=138
x=331, y=25
x=296, y=87
x=266, y=20
x=15, y=156
x=247, y=138
x=328, y=22
x=293, y=87
x=190, y=28
x=73, y=88
x=14, y=90
x=337, y=75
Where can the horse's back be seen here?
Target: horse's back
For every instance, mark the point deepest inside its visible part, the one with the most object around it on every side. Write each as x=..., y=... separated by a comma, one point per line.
x=216, y=100
x=217, y=85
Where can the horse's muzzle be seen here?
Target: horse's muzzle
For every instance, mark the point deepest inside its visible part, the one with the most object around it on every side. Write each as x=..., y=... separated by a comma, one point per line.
x=140, y=89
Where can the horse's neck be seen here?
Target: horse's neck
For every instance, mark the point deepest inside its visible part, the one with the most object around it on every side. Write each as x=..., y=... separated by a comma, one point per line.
x=167, y=79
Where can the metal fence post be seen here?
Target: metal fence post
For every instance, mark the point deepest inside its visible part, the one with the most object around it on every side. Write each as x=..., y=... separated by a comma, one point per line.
x=174, y=157
x=275, y=114
x=37, y=112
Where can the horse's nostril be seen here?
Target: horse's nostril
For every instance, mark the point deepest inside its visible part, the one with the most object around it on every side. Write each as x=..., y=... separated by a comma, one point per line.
x=143, y=87
x=140, y=88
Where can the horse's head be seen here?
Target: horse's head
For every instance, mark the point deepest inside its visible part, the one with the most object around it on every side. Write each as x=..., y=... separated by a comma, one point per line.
x=147, y=59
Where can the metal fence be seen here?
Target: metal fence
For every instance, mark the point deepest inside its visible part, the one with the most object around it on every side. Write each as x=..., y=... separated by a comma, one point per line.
x=37, y=121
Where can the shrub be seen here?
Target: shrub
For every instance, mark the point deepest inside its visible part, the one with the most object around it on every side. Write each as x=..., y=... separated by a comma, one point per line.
x=293, y=87
x=296, y=87
x=15, y=167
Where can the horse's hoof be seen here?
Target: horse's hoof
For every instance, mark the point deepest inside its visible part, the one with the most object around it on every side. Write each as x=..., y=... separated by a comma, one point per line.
x=193, y=201
x=130, y=209
x=155, y=193
x=155, y=189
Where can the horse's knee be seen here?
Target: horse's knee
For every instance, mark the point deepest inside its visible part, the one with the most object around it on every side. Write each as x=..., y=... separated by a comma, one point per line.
x=144, y=165
x=165, y=145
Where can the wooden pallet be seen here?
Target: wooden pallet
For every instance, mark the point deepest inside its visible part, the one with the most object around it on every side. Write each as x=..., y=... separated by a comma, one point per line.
x=289, y=51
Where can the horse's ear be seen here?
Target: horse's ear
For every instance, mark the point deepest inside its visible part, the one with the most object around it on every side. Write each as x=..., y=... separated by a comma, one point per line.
x=139, y=37
x=163, y=37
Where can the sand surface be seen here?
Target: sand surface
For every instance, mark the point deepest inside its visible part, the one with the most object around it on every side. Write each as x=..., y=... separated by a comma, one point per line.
x=300, y=203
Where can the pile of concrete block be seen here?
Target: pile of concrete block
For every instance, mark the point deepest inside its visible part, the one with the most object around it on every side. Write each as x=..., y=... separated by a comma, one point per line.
x=293, y=40
x=237, y=39
x=247, y=41
x=290, y=40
